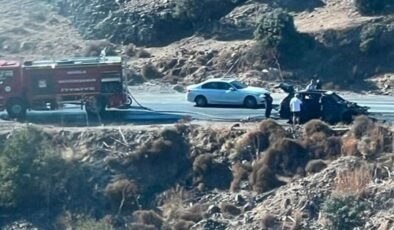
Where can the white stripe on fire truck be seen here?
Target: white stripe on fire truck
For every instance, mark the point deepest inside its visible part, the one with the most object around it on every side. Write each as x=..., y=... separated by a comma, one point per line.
x=77, y=81
x=110, y=79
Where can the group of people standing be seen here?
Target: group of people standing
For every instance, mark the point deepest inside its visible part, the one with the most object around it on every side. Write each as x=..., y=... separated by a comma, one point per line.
x=295, y=102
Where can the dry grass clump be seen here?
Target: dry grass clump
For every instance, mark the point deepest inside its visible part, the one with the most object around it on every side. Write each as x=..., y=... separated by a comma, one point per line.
x=315, y=166
x=140, y=226
x=317, y=126
x=193, y=214
x=269, y=221
x=349, y=147
x=130, y=50
x=183, y=225
x=159, y=163
x=333, y=147
x=249, y=146
x=211, y=173
x=285, y=158
x=149, y=72
x=94, y=48
x=240, y=172
x=371, y=136
x=321, y=146
x=122, y=194
x=143, y=53
x=263, y=178
x=229, y=209
x=352, y=182
x=361, y=126
x=148, y=217
x=272, y=130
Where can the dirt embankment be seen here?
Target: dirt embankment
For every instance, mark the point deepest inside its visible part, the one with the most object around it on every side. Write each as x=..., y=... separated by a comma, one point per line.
x=195, y=177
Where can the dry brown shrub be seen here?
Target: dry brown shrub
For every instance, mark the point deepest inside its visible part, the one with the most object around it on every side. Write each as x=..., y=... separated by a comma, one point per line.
x=140, y=226
x=142, y=53
x=320, y=146
x=240, y=172
x=211, y=173
x=352, y=182
x=149, y=72
x=130, y=50
x=316, y=145
x=263, y=178
x=160, y=162
x=333, y=147
x=317, y=126
x=272, y=130
x=386, y=225
x=297, y=216
x=285, y=157
x=148, y=217
x=250, y=145
x=122, y=194
x=94, y=48
x=183, y=225
x=361, y=126
x=269, y=221
x=173, y=200
x=315, y=166
x=194, y=213
x=230, y=209
x=349, y=147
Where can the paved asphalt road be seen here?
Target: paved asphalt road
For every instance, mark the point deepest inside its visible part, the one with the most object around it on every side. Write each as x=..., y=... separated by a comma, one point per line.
x=169, y=106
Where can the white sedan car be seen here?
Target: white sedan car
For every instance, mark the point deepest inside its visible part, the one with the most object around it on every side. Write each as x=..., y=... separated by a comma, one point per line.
x=223, y=91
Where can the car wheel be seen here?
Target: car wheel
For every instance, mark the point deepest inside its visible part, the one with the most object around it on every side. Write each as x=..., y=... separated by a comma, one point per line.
x=201, y=101
x=250, y=102
x=16, y=108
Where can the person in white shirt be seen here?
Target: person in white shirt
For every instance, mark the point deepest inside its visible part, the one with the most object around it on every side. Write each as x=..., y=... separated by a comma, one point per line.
x=311, y=86
x=295, y=108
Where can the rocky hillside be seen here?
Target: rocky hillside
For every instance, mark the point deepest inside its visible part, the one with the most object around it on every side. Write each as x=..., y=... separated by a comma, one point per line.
x=259, y=176
x=182, y=41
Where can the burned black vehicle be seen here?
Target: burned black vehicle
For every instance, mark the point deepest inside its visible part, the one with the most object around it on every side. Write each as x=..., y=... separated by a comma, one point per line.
x=320, y=104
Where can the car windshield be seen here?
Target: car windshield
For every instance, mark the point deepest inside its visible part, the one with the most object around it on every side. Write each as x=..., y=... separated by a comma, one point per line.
x=238, y=85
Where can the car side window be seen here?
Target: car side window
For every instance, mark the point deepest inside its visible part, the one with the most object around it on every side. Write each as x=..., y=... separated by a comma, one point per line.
x=210, y=85
x=224, y=86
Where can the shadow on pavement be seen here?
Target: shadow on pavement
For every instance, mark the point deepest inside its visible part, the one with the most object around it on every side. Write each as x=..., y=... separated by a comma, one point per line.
x=78, y=118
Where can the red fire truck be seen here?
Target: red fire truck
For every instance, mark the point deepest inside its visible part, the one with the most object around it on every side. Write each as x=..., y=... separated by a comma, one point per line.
x=95, y=82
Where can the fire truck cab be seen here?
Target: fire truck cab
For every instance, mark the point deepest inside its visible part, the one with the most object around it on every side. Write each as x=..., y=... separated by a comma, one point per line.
x=96, y=83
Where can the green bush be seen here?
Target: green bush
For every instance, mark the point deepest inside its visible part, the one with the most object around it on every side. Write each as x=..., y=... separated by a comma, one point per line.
x=343, y=212
x=33, y=174
x=368, y=7
x=276, y=30
x=199, y=12
x=377, y=37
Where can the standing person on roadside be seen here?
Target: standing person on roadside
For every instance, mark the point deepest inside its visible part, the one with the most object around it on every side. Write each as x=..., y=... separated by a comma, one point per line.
x=318, y=84
x=295, y=108
x=268, y=105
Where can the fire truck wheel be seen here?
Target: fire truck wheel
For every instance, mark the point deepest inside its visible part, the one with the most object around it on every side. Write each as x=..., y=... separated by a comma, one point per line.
x=16, y=108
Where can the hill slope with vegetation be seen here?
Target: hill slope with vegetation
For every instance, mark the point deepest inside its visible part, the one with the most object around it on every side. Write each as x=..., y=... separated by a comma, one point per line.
x=346, y=43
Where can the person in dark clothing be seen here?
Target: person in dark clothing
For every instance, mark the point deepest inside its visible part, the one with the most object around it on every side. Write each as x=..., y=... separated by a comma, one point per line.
x=268, y=105
x=318, y=84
